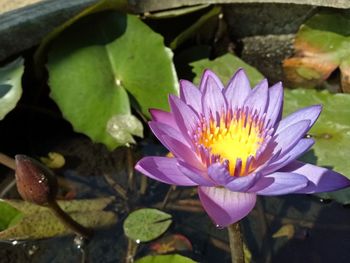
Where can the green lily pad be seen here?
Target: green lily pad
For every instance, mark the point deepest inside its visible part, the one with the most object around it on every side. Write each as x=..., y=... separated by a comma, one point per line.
x=146, y=224
x=96, y=62
x=165, y=259
x=10, y=86
x=321, y=46
x=29, y=221
x=224, y=67
x=331, y=132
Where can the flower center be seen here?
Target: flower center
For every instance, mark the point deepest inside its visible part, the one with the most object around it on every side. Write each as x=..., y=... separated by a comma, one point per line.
x=235, y=138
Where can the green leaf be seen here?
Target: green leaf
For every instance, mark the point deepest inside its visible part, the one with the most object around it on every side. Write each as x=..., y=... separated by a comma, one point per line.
x=10, y=86
x=146, y=224
x=195, y=27
x=321, y=46
x=36, y=222
x=165, y=259
x=331, y=132
x=225, y=66
x=99, y=60
x=7, y=215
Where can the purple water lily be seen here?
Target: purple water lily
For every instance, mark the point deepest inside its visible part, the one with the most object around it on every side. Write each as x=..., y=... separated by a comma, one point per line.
x=233, y=144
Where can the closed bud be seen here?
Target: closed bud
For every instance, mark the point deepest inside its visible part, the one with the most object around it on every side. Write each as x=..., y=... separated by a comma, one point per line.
x=35, y=182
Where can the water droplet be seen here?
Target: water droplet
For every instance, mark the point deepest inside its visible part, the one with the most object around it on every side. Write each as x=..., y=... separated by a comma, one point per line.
x=118, y=82
x=138, y=241
x=14, y=242
x=219, y=227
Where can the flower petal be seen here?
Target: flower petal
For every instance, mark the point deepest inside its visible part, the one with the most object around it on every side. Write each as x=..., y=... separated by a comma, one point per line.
x=190, y=94
x=237, y=90
x=185, y=118
x=224, y=206
x=290, y=136
x=320, y=179
x=213, y=101
x=163, y=117
x=274, y=109
x=309, y=113
x=283, y=183
x=243, y=183
x=214, y=80
x=258, y=98
x=196, y=175
x=300, y=148
x=182, y=151
x=219, y=173
x=163, y=169
x=160, y=130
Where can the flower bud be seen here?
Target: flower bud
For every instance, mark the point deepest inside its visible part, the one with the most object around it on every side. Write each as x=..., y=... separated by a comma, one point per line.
x=35, y=182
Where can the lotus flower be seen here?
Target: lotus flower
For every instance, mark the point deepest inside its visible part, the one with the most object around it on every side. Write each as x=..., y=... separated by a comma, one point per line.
x=233, y=144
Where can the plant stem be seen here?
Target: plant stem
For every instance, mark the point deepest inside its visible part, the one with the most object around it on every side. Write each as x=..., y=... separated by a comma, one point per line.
x=69, y=222
x=236, y=243
x=7, y=161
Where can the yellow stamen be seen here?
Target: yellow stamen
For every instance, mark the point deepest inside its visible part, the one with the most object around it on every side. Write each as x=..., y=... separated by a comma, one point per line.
x=236, y=138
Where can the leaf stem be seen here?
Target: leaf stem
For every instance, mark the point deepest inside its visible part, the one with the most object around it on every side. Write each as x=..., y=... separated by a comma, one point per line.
x=236, y=243
x=7, y=161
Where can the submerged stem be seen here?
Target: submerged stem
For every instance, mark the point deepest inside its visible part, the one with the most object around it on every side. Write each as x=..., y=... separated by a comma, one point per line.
x=236, y=243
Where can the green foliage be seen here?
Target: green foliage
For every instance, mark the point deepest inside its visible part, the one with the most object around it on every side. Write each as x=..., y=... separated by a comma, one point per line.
x=331, y=132
x=165, y=259
x=23, y=220
x=96, y=62
x=10, y=86
x=146, y=224
x=224, y=67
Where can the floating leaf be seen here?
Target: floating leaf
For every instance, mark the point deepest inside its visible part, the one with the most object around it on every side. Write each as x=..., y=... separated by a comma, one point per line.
x=8, y=215
x=165, y=259
x=99, y=60
x=54, y=160
x=10, y=86
x=321, y=45
x=39, y=222
x=331, y=131
x=146, y=224
x=224, y=67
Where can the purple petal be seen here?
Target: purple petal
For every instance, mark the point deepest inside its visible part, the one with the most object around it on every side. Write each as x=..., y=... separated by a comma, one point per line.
x=196, y=175
x=182, y=151
x=309, y=113
x=160, y=130
x=224, y=206
x=208, y=79
x=274, y=109
x=219, y=173
x=186, y=119
x=213, y=100
x=163, y=117
x=258, y=98
x=190, y=94
x=243, y=183
x=290, y=136
x=163, y=169
x=237, y=90
x=302, y=146
x=320, y=179
x=283, y=183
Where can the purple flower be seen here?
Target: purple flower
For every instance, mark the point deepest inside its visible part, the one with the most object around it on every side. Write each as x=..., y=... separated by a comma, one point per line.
x=233, y=144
